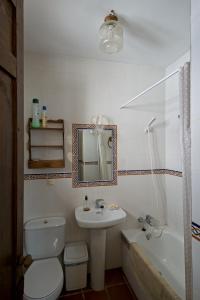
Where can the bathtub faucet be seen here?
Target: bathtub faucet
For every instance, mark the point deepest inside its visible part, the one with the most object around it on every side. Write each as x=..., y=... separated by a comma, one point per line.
x=149, y=220
x=141, y=220
x=148, y=235
x=147, y=225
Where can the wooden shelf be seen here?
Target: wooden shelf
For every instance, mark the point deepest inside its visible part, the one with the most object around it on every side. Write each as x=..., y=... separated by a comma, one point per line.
x=48, y=146
x=47, y=128
x=40, y=164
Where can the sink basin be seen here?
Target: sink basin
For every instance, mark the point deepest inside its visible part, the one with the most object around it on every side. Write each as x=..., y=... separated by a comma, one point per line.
x=99, y=218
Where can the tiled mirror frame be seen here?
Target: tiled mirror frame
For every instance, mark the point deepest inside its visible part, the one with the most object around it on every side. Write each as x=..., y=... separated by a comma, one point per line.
x=75, y=181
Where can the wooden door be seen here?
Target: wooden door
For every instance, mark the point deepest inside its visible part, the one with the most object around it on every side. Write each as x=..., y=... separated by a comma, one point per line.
x=11, y=148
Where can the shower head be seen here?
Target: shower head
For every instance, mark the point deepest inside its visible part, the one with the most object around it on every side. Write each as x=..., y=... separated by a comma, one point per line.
x=148, y=128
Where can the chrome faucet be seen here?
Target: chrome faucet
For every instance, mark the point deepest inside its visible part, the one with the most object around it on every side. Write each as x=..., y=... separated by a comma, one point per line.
x=146, y=222
x=148, y=235
x=99, y=203
x=141, y=220
x=149, y=220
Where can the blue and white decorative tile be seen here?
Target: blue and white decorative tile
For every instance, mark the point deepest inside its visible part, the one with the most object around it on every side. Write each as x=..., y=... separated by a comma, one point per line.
x=196, y=231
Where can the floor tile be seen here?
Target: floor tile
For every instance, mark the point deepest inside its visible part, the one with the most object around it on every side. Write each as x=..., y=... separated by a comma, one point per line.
x=88, y=287
x=116, y=288
x=66, y=293
x=72, y=297
x=95, y=295
x=114, y=276
x=120, y=292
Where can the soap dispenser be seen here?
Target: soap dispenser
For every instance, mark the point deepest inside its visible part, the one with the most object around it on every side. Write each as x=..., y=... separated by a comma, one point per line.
x=86, y=204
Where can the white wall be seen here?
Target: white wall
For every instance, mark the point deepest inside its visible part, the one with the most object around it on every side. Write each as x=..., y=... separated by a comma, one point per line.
x=76, y=90
x=195, y=126
x=173, y=159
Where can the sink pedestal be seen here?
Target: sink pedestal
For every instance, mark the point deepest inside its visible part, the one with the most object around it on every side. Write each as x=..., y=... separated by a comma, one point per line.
x=97, y=258
x=97, y=222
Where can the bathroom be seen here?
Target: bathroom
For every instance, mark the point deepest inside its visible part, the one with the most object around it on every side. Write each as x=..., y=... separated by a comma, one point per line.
x=79, y=88
x=86, y=90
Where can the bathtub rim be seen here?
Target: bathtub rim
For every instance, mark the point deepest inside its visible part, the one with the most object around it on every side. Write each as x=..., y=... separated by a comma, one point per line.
x=131, y=234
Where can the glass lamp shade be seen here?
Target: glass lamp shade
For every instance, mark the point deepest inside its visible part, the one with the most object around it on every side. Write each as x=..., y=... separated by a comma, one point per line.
x=111, y=36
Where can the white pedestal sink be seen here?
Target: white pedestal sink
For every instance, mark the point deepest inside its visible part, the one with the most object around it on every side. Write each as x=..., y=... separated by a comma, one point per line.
x=98, y=220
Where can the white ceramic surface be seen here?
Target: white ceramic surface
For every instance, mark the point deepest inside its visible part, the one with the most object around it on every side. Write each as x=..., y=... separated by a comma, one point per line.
x=44, y=237
x=44, y=240
x=166, y=253
x=44, y=280
x=99, y=218
x=97, y=259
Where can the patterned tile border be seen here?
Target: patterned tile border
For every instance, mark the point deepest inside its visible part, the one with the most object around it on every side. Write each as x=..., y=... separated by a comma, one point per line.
x=149, y=172
x=47, y=176
x=140, y=172
x=173, y=172
x=75, y=155
x=119, y=173
x=196, y=231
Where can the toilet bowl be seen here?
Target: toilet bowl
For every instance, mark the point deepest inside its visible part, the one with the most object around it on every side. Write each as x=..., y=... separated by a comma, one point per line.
x=44, y=240
x=43, y=280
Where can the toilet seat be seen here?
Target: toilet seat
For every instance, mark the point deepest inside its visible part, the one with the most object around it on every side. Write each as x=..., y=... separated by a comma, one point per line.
x=43, y=280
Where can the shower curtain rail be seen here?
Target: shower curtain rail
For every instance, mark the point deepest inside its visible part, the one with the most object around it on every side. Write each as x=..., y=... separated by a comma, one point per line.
x=150, y=88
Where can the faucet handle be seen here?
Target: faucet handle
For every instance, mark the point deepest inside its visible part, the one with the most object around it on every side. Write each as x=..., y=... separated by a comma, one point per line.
x=99, y=203
x=141, y=220
x=149, y=219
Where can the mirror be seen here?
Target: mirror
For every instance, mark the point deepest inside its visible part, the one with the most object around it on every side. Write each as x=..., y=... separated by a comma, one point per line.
x=94, y=150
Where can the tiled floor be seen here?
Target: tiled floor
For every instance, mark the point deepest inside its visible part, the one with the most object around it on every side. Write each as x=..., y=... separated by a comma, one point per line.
x=116, y=288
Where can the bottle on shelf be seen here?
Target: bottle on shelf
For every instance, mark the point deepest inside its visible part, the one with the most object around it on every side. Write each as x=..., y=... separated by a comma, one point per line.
x=86, y=206
x=44, y=116
x=35, y=113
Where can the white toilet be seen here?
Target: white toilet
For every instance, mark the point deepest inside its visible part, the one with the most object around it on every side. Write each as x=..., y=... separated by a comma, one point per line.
x=44, y=241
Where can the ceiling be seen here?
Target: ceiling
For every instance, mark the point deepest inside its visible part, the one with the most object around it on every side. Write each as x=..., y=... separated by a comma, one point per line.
x=156, y=32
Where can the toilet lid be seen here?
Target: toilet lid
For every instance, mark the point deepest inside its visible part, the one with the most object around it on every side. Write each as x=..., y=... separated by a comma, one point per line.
x=42, y=278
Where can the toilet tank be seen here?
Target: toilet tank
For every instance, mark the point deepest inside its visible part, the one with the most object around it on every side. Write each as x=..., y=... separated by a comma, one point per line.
x=45, y=237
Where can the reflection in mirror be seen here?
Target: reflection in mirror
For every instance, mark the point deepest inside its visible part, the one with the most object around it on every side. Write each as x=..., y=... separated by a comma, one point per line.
x=94, y=155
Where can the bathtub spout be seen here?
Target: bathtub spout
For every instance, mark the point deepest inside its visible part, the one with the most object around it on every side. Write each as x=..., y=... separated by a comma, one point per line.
x=142, y=221
x=148, y=236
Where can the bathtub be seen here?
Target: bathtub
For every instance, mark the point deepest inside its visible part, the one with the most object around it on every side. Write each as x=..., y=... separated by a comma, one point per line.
x=160, y=260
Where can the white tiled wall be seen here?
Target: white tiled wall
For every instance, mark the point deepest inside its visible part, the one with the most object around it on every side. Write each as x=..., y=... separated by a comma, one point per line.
x=195, y=127
x=76, y=90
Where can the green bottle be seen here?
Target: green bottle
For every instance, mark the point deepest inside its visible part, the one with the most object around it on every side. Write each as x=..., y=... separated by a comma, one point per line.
x=35, y=113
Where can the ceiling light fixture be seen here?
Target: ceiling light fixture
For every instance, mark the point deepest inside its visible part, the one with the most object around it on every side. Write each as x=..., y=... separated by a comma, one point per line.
x=111, y=34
